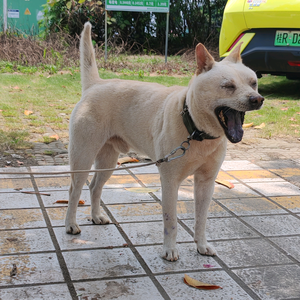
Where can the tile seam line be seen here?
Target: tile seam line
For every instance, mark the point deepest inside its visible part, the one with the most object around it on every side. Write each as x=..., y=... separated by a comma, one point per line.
x=260, y=235
x=227, y=270
x=267, y=197
x=133, y=249
x=60, y=257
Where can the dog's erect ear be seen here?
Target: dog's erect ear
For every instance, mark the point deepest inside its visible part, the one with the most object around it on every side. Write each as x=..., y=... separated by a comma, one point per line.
x=235, y=55
x=204, y=60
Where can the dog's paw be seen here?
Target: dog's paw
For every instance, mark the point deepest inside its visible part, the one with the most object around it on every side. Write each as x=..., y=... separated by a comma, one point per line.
x=100, y=220
x=73, y=229
x=170, y=254
x=206, y=249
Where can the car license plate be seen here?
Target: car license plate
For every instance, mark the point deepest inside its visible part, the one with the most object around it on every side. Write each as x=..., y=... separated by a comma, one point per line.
x=287, y=38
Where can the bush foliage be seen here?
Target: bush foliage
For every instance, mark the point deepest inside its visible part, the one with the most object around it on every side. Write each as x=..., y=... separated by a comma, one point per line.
x=191, y=21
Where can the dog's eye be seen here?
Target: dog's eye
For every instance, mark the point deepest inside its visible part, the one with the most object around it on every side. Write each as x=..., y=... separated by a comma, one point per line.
x=229, y=86
x=253, y=84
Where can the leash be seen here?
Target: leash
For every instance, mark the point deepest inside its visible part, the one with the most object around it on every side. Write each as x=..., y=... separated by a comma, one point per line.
x=167, y=158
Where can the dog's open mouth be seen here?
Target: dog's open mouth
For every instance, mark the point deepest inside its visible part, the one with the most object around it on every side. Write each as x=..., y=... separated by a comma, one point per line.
x=232, y=122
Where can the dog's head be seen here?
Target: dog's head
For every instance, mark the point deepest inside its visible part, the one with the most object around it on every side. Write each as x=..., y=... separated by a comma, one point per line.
x=224, y=91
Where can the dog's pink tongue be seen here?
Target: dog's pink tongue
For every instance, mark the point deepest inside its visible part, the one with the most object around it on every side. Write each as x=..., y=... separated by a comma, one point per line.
x=234, y=126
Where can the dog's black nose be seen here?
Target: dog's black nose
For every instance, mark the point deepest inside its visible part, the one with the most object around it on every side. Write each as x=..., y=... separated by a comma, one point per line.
x=256, y=101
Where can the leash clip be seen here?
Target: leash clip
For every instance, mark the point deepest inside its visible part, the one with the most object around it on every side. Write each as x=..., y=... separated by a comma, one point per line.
x=181, y=147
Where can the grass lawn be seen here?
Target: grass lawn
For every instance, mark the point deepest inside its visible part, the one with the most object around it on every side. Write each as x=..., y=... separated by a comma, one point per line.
x=49, y=100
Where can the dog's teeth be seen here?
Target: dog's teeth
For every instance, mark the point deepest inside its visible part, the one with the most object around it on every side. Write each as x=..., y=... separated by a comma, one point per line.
x=222, y=117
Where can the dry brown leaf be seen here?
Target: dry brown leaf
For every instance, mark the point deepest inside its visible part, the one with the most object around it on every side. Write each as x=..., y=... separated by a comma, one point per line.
x=28, y=112
x=48, y=76
x=16, y=87
x=284, y=108
x=81, y=202
x=247, y=125
x=261, y=126
x=127, y=159
x=54, y=136
x=142, y=190
x=293, y=119
x=225, y=183
x=198, y=284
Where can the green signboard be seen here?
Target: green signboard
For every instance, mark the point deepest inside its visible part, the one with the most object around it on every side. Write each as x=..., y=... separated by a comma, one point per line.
x=22, y=15
x=138, y=5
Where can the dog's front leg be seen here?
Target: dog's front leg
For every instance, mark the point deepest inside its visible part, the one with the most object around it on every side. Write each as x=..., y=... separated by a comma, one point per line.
x=203, y=191
x=169, y=201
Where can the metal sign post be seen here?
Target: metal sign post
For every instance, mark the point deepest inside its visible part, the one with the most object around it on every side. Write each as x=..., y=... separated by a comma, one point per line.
x=5, y=15
x=162, y=6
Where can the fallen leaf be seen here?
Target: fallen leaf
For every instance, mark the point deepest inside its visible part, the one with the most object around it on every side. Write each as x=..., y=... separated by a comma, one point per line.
x=298, y=113
x=247, y=125
x=28, y=112
x=63, y=86
x=16, y=87
x=81, y=202
x=207, y=266
x=48, y=76
x=284, y=108
x=20, y=162
x=225, y=183
x=293, y=119
x=261, y=126
x=54, y=136
x=51, y=104
x=198, y=284
x=142, y=190
x=127, y=159
x=14, y=271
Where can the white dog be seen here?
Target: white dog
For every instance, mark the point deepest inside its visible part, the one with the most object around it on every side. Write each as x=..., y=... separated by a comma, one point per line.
x=115, y=115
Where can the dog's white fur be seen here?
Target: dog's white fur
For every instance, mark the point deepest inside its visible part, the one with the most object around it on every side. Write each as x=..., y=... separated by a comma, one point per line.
x=115, y=115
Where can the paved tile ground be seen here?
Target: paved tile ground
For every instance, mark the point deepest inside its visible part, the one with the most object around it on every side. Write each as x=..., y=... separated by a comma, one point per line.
x=255, y=228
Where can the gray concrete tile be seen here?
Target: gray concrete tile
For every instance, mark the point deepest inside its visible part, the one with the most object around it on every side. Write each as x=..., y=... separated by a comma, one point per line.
x=275, y=225
x=224, y=228
x=239, y=190
x=239, y=165
x=57, y=215
x=49, y=201
x=189, y=259
x=246, y=253
x=291, y=203
x=136, y=212
x=31, y=269
x=90, y=237
x=90, y=264
x=151, y=233
x=273, y=282
x=252, y=206
x=153, y=169
x=289, y=244
x=120, y=181
x=23, y=241
x=178, y=290
x=21, y=218
x=3, y=172
x=49, y=170
x=271, y=189
x=115, y=196
x=18, y=200
x=186, y=210
x=42, y=292
x=15, y=184
x=121, y=289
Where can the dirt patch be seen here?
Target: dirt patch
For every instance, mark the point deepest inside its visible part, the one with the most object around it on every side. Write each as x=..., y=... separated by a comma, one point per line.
x=16, y=160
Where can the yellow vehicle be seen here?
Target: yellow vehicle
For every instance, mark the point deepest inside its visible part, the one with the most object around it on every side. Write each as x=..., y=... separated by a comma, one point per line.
x=270, y=32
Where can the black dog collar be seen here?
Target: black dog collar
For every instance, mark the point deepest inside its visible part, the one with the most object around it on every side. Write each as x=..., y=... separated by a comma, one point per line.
x=194, y=133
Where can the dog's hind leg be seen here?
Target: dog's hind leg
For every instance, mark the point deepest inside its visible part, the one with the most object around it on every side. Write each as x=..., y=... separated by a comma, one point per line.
x=81, y=158
x=106, y=159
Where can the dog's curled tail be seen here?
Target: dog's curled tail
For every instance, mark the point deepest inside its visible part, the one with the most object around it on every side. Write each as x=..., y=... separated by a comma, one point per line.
x=89, y=70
